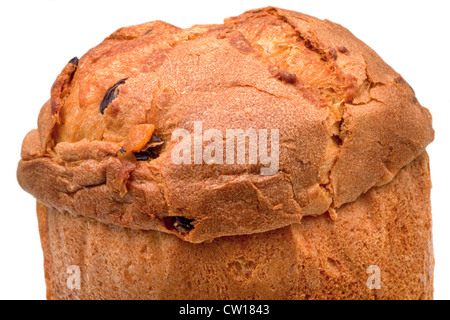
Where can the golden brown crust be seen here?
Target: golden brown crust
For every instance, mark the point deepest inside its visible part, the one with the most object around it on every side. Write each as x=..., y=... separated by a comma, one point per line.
x=347, y=123
x=388, y=227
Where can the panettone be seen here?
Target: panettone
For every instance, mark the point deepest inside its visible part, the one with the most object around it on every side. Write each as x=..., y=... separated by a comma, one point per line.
x=352, y=189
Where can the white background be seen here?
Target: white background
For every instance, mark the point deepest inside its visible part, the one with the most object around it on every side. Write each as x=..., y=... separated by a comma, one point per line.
x=39, y=37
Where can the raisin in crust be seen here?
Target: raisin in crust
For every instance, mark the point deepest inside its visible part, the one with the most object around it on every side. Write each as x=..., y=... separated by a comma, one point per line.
x=348, y=123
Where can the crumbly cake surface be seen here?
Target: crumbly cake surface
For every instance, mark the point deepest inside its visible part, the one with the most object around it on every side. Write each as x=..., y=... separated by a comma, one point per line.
x=352, y=188
x=347, y=123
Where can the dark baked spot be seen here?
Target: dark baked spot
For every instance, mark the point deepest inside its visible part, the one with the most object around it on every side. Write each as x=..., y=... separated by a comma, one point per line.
x=332, y=53
x=285, y=76
x=342, y=49
x=152, y=152
x=337, y=139
x=74, y=61
x=181, y=224
x=400, y=80
x=110, y=95
x=240, y=43
x=148, y=31
x=309, y=45
x=221, y=35
x=156, y=59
